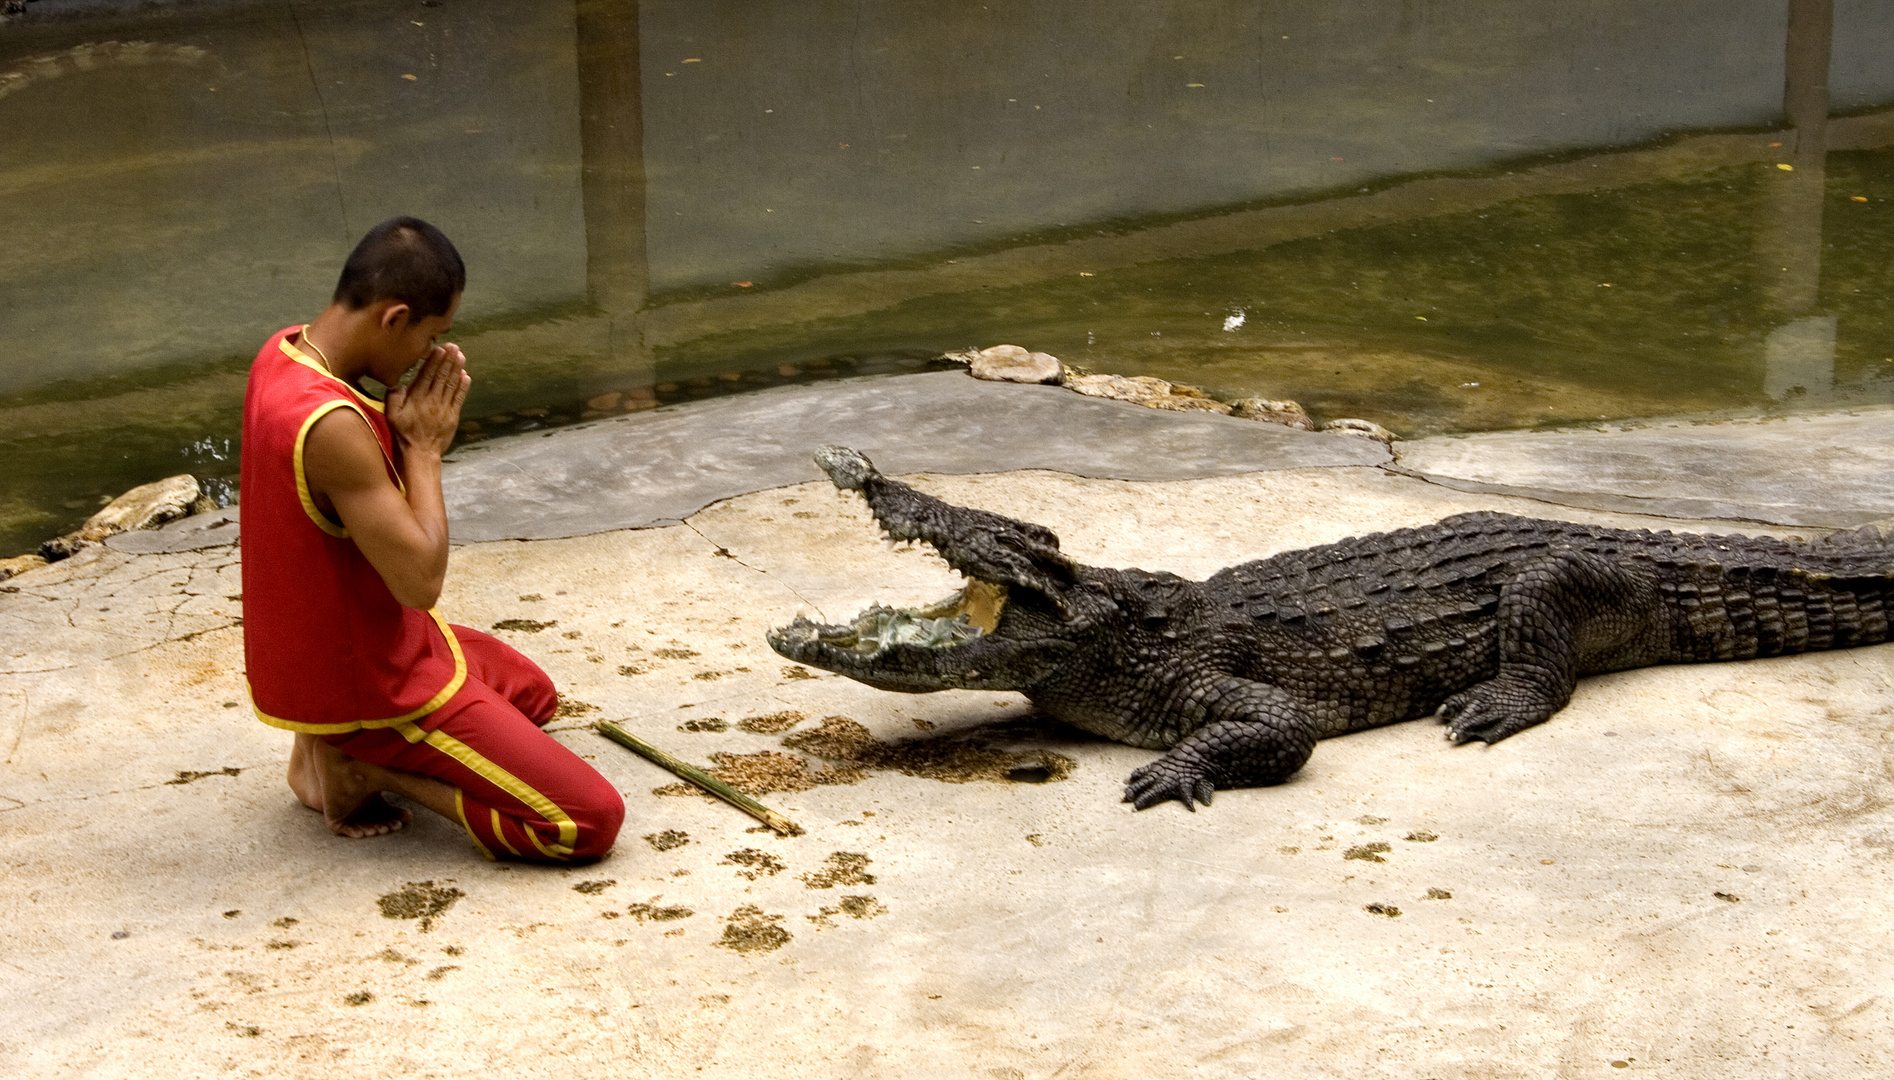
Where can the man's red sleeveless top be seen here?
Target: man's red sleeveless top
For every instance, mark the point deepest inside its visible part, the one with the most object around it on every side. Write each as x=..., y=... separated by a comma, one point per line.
x=328, y=648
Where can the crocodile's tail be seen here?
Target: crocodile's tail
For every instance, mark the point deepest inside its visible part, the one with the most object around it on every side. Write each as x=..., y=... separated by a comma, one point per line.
x=1834, y=592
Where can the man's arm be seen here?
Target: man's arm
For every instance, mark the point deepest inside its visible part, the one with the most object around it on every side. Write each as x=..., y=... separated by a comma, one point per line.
x=404, y=539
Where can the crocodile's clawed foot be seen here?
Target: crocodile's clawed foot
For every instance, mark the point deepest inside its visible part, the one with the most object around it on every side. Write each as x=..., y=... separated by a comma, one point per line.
x=1492, y=710
x=1168, y=778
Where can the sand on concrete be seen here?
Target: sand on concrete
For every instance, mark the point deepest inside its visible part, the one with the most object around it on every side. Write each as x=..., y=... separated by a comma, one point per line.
x=1687, y=871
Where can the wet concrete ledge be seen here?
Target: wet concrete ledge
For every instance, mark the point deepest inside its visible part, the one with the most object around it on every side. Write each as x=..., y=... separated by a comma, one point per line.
x=1824, y=470
x=659, y=467
x=1827, y=470
x=644, y=470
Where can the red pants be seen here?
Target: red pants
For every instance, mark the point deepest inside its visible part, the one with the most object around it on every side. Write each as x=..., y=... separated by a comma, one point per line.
x=520, y=793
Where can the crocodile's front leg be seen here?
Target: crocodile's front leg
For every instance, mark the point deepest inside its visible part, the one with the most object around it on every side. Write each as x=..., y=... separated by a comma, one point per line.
x=1251, y=734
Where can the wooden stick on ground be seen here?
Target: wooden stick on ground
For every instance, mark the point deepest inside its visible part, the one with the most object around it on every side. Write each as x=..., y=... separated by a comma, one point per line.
x=699, y=777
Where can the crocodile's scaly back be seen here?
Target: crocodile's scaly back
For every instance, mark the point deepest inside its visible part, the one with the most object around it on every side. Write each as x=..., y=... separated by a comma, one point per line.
x=1731, y=597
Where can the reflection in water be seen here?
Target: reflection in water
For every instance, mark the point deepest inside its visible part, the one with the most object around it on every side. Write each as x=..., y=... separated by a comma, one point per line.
x=611, y=127
x=1799, y=356
x=1439, y=217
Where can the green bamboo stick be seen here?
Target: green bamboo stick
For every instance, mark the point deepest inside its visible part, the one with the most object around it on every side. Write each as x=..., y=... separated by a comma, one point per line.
x=699, y=777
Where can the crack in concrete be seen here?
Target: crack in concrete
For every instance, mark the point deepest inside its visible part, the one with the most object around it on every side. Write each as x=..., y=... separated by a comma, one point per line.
x=27, y=592
x=1660, y=506
x=328, y=129
x=1395, y=468
x=26, y=709
x=16, y=967
x=193, y=635
x=725, y=552
x=192, y=776
x=228, y=770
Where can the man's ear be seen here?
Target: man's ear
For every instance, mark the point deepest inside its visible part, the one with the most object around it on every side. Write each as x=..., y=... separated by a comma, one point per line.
x=395, y=316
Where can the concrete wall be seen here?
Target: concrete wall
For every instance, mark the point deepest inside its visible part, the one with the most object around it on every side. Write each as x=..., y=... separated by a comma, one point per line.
x=837, y=131
x=174, y=205
x=180, y=199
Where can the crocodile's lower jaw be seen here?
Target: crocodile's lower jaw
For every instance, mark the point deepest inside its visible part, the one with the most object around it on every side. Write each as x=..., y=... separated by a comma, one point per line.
x=970, y=613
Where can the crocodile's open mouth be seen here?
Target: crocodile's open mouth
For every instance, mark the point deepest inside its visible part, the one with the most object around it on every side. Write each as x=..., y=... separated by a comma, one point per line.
x=967, y=615
x=1006, y=628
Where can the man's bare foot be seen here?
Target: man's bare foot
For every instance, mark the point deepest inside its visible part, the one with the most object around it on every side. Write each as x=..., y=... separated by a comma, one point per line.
x=346, y=791
x=303, y=779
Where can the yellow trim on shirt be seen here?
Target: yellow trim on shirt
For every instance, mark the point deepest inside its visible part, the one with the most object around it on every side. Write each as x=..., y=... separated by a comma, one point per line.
x=302, y=480
x=310, y=362
x=344, y=727
x=302, y=484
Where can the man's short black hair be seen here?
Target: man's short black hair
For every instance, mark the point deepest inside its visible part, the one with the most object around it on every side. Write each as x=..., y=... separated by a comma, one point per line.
x=404, y=259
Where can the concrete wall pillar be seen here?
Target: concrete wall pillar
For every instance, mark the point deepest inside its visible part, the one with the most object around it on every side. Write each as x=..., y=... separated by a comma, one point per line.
x=1800, y=354
x=611, y=134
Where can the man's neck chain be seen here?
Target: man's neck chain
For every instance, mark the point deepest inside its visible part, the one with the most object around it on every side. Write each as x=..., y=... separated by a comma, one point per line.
x=326, y=365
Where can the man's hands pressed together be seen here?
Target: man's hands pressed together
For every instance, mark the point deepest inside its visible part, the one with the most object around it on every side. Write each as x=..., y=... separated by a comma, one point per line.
x=425, y=414
x=404, y=538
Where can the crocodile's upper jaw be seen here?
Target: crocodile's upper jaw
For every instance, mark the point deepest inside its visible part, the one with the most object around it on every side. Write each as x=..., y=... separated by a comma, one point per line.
x=981, y=545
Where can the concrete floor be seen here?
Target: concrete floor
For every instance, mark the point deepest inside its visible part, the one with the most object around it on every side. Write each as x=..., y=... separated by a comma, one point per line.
x=1687, y=872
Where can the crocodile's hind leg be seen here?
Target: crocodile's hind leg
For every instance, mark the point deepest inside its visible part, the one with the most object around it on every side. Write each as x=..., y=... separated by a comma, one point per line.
x=1559, y=610
x=1251, y=733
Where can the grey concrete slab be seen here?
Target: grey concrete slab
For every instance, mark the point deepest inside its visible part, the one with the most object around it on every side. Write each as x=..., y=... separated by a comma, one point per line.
x=194, y=533
x=660, y=467
x=1830, y=469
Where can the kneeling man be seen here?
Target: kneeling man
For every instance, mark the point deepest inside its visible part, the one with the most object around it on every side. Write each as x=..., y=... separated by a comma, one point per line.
x=344, y=556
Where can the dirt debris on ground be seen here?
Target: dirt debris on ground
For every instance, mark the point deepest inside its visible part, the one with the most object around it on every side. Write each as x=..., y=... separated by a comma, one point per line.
x=649, y=911
x=852, y=751
x=772, y=723
x=957, y=760
x=668, y=839
x=841, y=868
x=423, y=900
x=764, y=773
x=749, y=930
x=756, y=863
x=855, y=907
x=1369, y=852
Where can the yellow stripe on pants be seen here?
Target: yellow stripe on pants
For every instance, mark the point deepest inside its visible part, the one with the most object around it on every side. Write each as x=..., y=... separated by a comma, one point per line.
x=514, y=786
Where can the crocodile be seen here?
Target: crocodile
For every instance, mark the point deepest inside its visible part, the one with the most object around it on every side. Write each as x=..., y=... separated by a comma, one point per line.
x=1483, y=620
